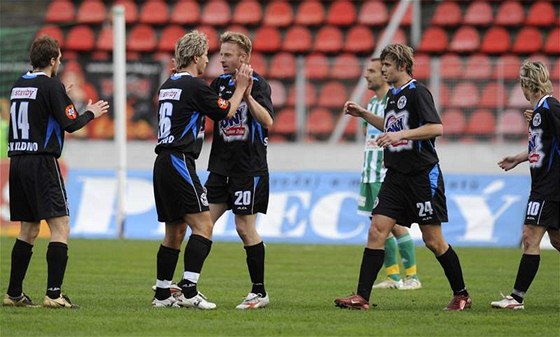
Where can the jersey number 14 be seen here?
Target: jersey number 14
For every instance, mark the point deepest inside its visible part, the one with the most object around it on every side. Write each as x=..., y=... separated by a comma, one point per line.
x=20, y=120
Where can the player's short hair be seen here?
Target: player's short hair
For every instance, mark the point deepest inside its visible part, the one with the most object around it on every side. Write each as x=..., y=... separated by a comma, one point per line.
x=401, y=54
x=42, y=50
x=239, y=39
x=535, y=77
x=375, y=59
x=192, y=44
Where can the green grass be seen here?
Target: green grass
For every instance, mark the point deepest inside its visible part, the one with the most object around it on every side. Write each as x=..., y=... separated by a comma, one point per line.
x=111, y=281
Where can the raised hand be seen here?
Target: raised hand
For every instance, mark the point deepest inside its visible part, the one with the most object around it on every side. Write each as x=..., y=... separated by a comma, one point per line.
x=99, y=108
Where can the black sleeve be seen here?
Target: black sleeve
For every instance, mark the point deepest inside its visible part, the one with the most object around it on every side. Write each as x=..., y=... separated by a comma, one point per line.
x=426, y=108
x=554, y=116
x=62, y=107
x=262, y=94
x=80, y=122
x=209, y=103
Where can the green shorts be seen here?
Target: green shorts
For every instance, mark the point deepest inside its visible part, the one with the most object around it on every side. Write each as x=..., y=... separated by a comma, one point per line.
x=368, y=195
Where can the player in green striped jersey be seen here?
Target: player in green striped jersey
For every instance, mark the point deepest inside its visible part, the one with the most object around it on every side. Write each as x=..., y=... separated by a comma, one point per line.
x=373, y=173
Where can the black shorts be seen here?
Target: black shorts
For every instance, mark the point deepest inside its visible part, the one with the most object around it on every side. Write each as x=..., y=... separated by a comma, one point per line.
x=37, y=189
x=543, y=213
x=415, y=198
x=243, y=195
x=177, y=189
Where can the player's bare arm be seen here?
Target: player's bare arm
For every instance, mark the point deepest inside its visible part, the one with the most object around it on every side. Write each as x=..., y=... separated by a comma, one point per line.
x=354, y=109
x=509, y=162
x=426, y=131
x=98, y=108
x=260, y=113
x=243, y=77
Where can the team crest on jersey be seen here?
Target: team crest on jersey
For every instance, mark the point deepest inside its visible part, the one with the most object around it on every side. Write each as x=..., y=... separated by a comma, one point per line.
x=537, y=119
x=203, y=199
x=536, y=155
x=401, y=102
x=396, y=122
x=70, y=111
x=222, y=103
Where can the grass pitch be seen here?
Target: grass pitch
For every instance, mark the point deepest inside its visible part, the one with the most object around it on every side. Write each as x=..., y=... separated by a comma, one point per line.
x=111, y=280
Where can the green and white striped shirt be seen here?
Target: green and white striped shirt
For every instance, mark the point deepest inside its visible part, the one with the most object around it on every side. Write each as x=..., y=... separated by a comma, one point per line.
x=373, y=169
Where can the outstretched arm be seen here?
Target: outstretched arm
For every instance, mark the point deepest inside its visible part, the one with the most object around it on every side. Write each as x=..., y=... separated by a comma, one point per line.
x=354, y=109
x=509, y=162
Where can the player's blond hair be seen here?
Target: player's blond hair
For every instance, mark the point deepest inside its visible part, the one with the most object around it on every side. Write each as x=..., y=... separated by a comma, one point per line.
x=192, y=44
x=239, y=39
x=401, y=54
x=535, y=77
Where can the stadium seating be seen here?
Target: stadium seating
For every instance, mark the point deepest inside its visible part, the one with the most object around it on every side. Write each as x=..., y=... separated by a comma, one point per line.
x=310, y=95
x=510, y=13
x=422, y=66
x=320, y=123
x=333, y=94
x=451, y=66
x=283, y=66
x=247, y=12
x=479, y=13
x=169, y=36
x=555, y=72
x=493, y=95
x=259, y=63
x=447, y=14
x=465, y=40
x=373, y=13
x=213, y=37
x=80, y=38
x=238, y=28
x=341, y=13
x=434, y=40
x=105, y=39
x=346, y=67
x=552, y=44
x=528, y=41
x=478, y=67
x=512, y=123
x=328, y=39
x=507, y=66
x=216, y=13
x=285, y=122
x=482, y=123
x=310, y=13
x=454, y=122
x=517, y=99
x=316, y=66
x=60, y=11
x=279, y=13
x=154, y=12
x=142, y=38
x=130, y=10
x=298, y=39
x=53, y=31
x=278, y=92
x=267, y=39
x=359, y=39
x=407, y=18
x=496, y=41
x=91, y=12
x=541, y=14
x=465, y=95
x=186, y=12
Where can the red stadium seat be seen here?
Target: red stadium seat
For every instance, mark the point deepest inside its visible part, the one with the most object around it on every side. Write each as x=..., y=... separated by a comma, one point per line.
x=481, y=122
x=154, y=12
x=310, y=13
x=451, y=66
x=341, y=13
x=407, y=18
x=529, y=40
x=346, y=67
x=517, y=99
x=130, y=10
x=216, y=13
x=80, y=38
x=332, y=95
x=555, y=72
x=320, y=123
x=310, y=98
x=359, y=39
x=399, y=37
x=443, y=95
x=373, y=13
x=278, y=92
x=267, y=39
x=247, y=12
x=510, y=13
x=142, y=38
x=53, y=31
x=479, y=13
x=60, y=11
x=507, y=67
x=279, y=13
x=512, y=123
x=454, y=122
x=496, y=41
x=464, y=95
x=105, y=39
x=316, y=66
x=186, y=12
x=465, y=40
x=328, y=40
x=91, y=12
x=541, y=14
x=422, y=66
x=282, y=65
x=447, y=14
x=259, y=63
x=285, y=122
x=552, y=44
x=434, y=40
x=239, y=29
x=478, y=67
x=298, y=39
x=169, y=36
x=213, y=37
x=493, y=95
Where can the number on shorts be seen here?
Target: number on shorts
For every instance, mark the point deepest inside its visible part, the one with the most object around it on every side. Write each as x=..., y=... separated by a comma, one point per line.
x=424, y=208
x=533, y=208
x=243, y=198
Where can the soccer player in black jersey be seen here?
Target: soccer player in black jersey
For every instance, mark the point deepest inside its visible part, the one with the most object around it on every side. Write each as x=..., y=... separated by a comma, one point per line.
x=543, y=207
x=238, y=178
x=413, y=190
x=40, y=113
x=180, y=198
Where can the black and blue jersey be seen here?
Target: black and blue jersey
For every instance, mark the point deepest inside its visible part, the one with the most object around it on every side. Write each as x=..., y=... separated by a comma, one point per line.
x=410, y=107
x=239, y=144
